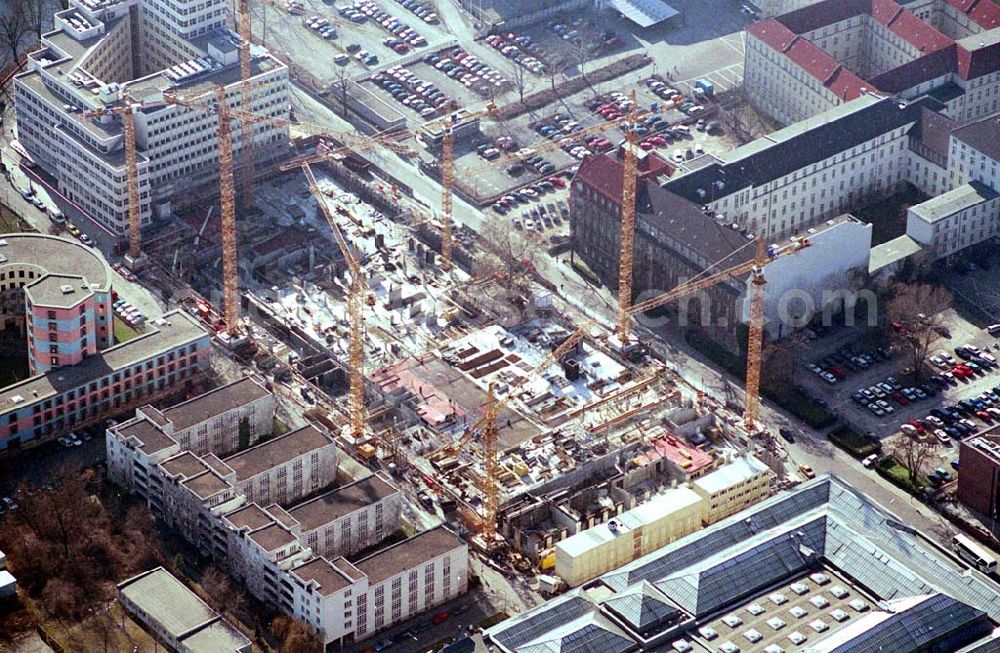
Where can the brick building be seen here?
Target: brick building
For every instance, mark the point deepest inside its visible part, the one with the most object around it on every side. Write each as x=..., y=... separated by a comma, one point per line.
x=979, y=482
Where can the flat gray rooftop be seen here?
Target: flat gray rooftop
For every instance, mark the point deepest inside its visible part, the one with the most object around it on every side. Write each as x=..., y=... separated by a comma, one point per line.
x=56, y=256
x=333, y=505
x=215, y=402
x=278, y=451
x=58, y=291
x=411, y=553
x=167, y=601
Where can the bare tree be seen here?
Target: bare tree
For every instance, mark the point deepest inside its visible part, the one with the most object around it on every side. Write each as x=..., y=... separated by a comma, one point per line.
x=294, y=636
x=912, y=452
x=14, y=26
x=555, y=68
x=508, y=251
x=39, y=13
x=520, y=79
x=781, y=359
x=914, y=312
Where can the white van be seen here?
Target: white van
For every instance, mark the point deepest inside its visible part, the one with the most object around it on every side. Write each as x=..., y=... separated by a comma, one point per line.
x=56, y=215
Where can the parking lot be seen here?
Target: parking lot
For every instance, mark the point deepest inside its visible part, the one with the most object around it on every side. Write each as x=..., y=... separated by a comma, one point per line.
x=290, y=36
x=958, y=394
x=557, y=138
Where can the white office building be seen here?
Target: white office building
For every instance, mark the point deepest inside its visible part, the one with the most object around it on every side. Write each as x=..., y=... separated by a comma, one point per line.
x=101, y=49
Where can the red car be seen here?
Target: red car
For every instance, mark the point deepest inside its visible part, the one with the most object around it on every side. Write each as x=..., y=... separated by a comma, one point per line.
x=983, y=415
x=439, y=618
x=899, y=398
x=557, y=182
x=962, y=372
x=917, y=425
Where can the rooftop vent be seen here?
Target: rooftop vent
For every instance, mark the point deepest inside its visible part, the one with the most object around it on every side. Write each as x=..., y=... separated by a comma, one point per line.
x=17, y=399
x=66, y=289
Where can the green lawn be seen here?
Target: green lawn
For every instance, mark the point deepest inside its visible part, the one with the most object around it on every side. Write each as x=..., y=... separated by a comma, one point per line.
x=13, y=369
x=123, y=332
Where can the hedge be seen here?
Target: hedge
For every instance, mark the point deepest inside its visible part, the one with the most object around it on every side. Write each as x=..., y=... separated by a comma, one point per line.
x=853, y=442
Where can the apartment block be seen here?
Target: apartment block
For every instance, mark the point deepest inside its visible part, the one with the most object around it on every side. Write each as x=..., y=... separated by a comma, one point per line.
x=209, y=423
x=285, y=469
x=345, y=601
x=69, y=99
x=57, y=293
x=173, y=351
x=348, y=519
x=827, y=53
x=273, y=551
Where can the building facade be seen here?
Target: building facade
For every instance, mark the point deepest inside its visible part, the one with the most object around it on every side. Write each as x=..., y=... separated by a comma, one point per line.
x=172, y=352
x=732, y=488
x=98, y=53
x=209, y=423
x=634, y=533
x=348, y=519
x=979, y=482
x=823, y=54
x=57, y=292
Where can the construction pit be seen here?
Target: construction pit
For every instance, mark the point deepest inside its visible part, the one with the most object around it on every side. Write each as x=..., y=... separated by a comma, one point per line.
x=588, y=434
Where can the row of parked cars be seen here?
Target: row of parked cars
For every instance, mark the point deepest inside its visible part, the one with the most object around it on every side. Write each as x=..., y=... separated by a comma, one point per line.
x=390, y=23
x=534, y=191
x=541, y=217
x=884, y=397
x=468, y=70
x=128, y=313
x=529, y=159
x=411, y=91
x=321, y=26
x=492, y=150
x=521, y=49
x=422, y=10
x=847, y=359
x=564, y=129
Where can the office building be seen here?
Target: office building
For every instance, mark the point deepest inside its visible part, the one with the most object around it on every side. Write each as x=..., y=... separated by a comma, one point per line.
x=99, y=52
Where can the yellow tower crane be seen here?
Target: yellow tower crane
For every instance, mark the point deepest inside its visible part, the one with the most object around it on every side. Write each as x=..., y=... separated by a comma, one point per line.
x=227, y=198
x=131, y=174
x=355, y=316
x=630, y=174
x=755, y=268
x=447, y=126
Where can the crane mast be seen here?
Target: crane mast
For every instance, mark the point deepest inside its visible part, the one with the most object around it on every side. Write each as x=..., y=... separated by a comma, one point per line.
x=447, y=181
x=230, y=280
x=491, y=464
x=627, y=235
x=355, y=316
x=246, y=128
x=132, y=174
x=755, y=336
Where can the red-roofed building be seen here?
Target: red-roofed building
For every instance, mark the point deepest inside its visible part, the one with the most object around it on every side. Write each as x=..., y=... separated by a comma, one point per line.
x=849, y=47
x=984, y=13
